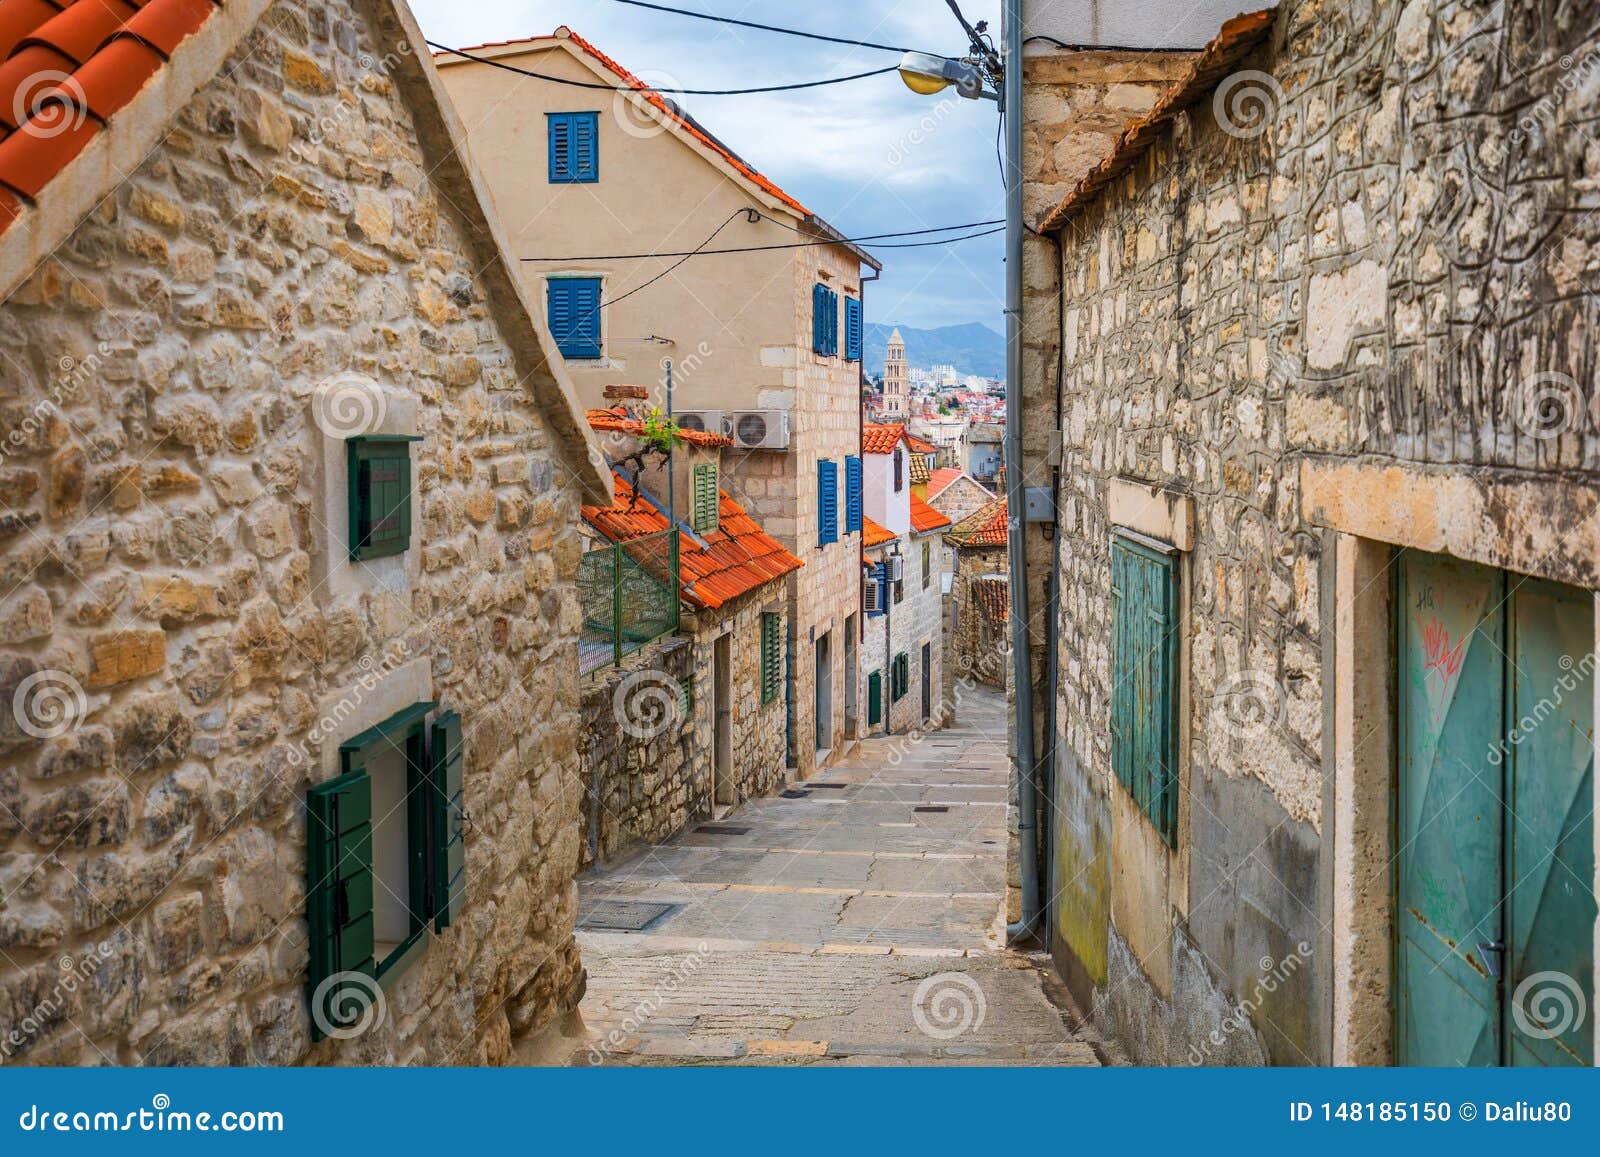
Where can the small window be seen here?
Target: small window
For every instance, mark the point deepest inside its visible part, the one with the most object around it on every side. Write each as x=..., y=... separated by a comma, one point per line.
x=707, y=501
x=899, y=470
x=574, y=307
x=852, y=329
x=385, y=856
x=875, y=699
x=827, y=502
x=574, y=147
x=927, y=565
x=379, y=480
x=771, y=656
x=900, y=676
x=1144, y=657
x=824, y=321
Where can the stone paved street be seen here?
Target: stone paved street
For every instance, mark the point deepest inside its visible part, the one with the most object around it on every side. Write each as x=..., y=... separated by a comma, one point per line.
x=846, y=927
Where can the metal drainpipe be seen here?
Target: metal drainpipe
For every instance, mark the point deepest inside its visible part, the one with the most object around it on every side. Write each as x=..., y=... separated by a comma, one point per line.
x=1021, y=636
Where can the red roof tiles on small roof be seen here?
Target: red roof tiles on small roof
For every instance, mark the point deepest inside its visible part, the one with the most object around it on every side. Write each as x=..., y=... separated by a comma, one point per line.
x=993, y=596
x=940, y=480
x=985, y=526
x=925, y=518
x=68, y=67
x=876, y=439
x=873, y=534
x=736, y=558
x=919, y=445
x=619, y=421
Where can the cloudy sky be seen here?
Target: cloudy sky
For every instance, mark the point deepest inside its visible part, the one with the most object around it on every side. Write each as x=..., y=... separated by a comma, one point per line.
x=868, y=156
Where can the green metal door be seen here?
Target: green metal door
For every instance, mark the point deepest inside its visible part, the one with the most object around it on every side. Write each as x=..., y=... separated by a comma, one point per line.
x=1494, y=838
x=1550, y=906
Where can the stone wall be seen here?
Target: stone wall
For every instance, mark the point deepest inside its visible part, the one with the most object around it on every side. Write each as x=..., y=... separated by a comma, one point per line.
x=980, y=647
x=649, y=732
x=1386, y=276
x=164, y=556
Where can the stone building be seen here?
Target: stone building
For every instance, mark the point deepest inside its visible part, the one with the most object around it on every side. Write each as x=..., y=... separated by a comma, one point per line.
x=766, y=346
x=692, y=725
x=980, y=595
x=904, y=558
x=954, y=493
x=291, y=488
x=894, y=403
x=1326, y=497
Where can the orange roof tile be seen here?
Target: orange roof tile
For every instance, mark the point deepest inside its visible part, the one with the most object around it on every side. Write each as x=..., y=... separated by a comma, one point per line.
x=874, y=535
x=621, y=422
x=920, y=445
x=1235, y=41
x=876, y=439
x=925, y=518
x=736, y=558
x=66, y=67
x=668, y=108
x=985, y=526
x=993, y=596
x=940, y=480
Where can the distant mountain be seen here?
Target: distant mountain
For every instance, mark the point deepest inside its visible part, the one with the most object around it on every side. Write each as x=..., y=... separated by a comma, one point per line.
x=972, y=348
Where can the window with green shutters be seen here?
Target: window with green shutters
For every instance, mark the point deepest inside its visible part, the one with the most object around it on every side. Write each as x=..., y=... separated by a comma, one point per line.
x=707, y=502
x=379, y=481
x=771, y=656
x=874, y=698
x=900, y=676
x=385, y=858
x=1144, y=657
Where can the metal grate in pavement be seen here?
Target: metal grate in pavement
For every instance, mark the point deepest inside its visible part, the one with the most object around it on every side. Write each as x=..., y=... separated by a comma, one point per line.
x=625, y=915
x=721, y=830
x=939, y=808
x=830, y=786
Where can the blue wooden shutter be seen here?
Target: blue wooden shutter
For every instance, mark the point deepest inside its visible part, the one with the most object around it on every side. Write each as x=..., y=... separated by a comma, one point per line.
x=575, y=315
x=1144, y=735
x=819, y=318
x=852, y=329
x=574, y=147
x=833, y=323
x=827, y=502
x=852, y=495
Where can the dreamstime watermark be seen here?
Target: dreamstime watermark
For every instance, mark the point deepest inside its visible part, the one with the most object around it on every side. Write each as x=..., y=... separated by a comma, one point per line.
x=48, y=704
x=74, y=374
x=927, y=125
x=371, y=673
x=160, y=1117
x=348, y=111
x=1548, y=404
x=348, y=1004
x=76, y=972
x=49, y=103
x=1246, y=104
x=1577, y=76
x=1574, y=675
x=1548, y=1005
x=648, y=703
x=1273, y=975
x=1249, y=704
x=348, y=405
x=678, y=974
x=637, y=114
x=948, y=1004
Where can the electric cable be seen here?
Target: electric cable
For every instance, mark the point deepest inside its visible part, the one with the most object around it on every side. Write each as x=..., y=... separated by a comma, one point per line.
x=702, y=250
x=766, y=27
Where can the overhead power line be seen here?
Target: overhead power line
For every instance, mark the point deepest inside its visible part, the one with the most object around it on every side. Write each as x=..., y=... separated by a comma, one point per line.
x=702, y=251
x=500, y=64
x=766, y=27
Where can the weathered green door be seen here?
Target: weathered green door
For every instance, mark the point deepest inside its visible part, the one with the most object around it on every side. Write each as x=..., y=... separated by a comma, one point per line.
x=1495, y=861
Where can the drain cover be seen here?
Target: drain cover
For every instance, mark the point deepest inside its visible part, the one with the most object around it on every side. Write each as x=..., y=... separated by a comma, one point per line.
x=721, y=830
x=931, y=809
x=625, y=915
x=791, y=793
x=830, y=786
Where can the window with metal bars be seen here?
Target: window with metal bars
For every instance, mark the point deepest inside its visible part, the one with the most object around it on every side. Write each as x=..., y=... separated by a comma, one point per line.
x=706, y=515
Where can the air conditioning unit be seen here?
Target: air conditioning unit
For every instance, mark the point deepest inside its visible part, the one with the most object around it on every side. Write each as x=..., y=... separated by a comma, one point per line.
x=760, y=429
x=872, y=596
x=701, y=421
x=897, y=567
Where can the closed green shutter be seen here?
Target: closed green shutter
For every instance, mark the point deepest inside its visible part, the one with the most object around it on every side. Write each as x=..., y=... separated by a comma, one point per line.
x=1144, y=736
x=874, y=698
x=339, y=896
x=771, y=656
x=449, y=857
x=900, y=677
x=707, y=502
x=379, y=481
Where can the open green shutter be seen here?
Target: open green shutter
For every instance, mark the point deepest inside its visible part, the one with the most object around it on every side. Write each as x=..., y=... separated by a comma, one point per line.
x=707, y=502
x=338, y=893
x=1144, y=597
x=449, y=819
x=771, y=656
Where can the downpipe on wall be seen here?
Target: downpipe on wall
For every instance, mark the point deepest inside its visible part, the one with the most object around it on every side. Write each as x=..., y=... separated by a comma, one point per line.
x=1016, y=546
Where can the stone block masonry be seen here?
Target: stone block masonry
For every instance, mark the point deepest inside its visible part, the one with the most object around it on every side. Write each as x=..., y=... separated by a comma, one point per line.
x=184, y=667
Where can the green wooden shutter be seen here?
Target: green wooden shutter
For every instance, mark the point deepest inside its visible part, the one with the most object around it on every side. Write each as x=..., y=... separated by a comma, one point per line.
x=707, y=502
x=874, y=698
x=1144, y=735
x=449, y=817
x=900, y=677
x=771, y=656
x=379, y=481
x=339, y=892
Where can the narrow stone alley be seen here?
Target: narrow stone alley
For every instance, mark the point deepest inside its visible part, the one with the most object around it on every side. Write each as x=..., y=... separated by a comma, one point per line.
x=859, y=923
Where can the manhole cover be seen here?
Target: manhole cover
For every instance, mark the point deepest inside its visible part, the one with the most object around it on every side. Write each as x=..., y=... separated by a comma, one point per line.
x=931, y=809
x=791, y=793
x=721, y=830
x=625, y=915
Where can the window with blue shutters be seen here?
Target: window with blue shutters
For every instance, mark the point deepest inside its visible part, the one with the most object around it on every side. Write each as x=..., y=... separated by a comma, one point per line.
x=852, y=495
x=824, y=320
x=827, y=502
x=1144, y=658
x=574, y=307
x=852, y=329
x=574, y=147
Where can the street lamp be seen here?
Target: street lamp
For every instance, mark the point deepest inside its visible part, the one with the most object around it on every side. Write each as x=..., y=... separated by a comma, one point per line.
x=926, y=74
